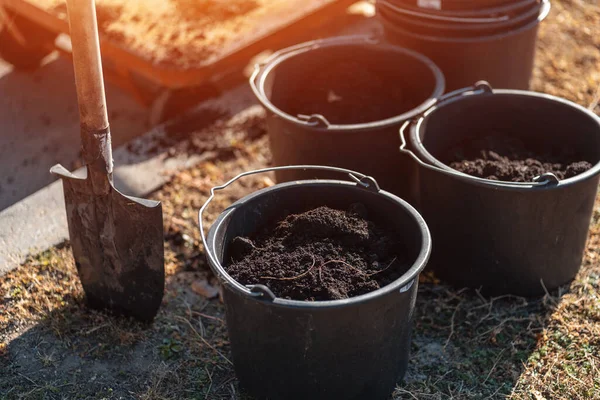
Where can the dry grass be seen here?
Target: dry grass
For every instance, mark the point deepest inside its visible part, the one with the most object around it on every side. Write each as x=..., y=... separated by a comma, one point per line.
x=566, y=361
x=568, y=52
x=465, y=346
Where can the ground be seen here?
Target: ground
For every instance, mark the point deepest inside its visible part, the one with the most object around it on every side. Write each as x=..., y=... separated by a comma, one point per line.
x=465, y=346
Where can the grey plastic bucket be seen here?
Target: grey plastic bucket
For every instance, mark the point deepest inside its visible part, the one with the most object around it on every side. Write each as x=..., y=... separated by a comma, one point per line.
x=353, y=349
x=505, y=237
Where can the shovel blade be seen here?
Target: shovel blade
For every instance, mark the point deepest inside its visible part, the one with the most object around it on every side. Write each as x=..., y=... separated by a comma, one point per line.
x=117, y=243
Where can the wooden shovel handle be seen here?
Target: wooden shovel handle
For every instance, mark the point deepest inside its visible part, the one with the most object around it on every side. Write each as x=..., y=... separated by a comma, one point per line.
x=95, y=133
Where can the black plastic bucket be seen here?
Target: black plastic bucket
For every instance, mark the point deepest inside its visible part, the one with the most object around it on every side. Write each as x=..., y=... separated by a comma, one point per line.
x=370, y=147
x=505, y=237
x=504, y=59
x=460, y=27
x=351, y=349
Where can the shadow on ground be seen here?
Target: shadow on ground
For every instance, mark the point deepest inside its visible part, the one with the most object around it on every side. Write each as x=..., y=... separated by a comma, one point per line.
x=464, y=345
x=74, y=352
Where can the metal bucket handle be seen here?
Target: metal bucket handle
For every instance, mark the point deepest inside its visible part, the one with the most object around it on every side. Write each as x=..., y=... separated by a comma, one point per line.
x=443, y=17
x=363, y=181
x=482, y=87
x=314, y=120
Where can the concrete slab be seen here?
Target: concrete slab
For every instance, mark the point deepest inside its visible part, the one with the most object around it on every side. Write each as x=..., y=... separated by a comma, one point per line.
x=39, y=221
x=39, y=125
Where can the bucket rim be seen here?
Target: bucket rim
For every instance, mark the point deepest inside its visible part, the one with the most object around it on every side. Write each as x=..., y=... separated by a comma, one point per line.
x=402, y=284
x=498, y=9
x=544, y=11
x=517, y=21
x=262, y=71
x=418, y=145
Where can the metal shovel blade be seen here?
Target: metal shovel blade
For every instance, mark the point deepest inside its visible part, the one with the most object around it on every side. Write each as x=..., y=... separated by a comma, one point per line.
x=117, y=243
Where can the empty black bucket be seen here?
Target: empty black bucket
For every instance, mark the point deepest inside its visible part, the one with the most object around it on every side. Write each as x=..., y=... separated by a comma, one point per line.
x=371, y=146
x=351, y=349
x=505, y=237
x=504, y=59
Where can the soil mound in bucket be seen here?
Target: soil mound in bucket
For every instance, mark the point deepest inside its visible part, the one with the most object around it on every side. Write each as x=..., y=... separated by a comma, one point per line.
x=508, y=159
x=321, y=254
x=350, y=92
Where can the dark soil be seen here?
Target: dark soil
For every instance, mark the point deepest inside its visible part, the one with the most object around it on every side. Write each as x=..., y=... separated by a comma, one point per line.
x=348, y=92
x=507, y=159
x=321, y=254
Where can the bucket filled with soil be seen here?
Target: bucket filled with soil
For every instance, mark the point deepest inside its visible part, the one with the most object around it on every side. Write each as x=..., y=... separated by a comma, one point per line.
x=507, y=183
x=319, y=282
x=340, y=102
